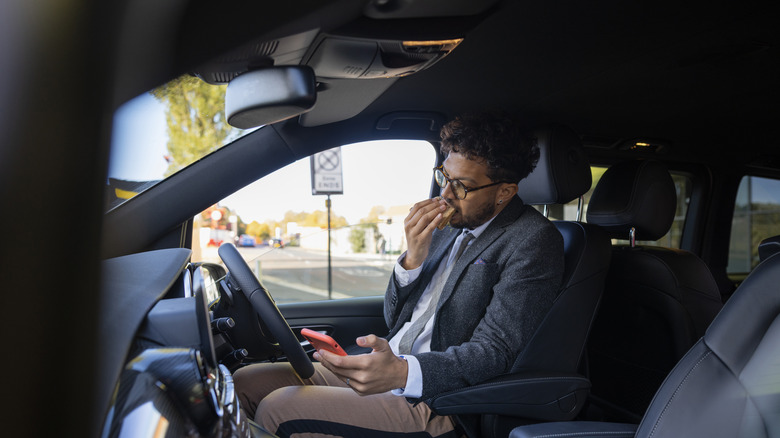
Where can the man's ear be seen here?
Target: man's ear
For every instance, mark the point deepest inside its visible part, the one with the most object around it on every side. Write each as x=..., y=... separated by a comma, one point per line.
x=506, y=192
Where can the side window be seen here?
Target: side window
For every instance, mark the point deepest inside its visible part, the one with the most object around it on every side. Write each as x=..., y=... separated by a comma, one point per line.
x=682, y=184
x=756, y=217
x=281, y=228
x=672, y=239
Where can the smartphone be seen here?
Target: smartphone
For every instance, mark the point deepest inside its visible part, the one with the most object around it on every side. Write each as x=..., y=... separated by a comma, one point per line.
x=321, y=341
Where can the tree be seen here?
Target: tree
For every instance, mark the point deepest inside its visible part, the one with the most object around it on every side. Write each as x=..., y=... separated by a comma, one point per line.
x=195, y=114
x=376, y=210
x=371, y=221
x=260, y=231
x=224, y=217
x=357, y=238
x=318, y=218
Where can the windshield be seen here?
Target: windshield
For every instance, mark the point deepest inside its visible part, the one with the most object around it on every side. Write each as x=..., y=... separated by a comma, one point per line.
x=163, y=131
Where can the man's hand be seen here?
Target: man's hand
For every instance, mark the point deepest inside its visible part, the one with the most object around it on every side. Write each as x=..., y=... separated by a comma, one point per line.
x=371, y=373
x=423, y=218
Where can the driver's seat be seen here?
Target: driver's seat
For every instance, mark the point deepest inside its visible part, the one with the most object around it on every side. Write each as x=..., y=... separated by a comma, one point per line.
x=546, y=383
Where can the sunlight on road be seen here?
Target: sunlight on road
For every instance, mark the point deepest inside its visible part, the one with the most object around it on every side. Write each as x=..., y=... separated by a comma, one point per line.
x=295, y=274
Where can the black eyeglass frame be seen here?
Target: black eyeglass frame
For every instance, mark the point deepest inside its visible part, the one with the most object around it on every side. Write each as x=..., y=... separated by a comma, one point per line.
x=457, y=182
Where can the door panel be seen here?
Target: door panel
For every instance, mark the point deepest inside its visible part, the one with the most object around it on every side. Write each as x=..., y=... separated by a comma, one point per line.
x=344, y=319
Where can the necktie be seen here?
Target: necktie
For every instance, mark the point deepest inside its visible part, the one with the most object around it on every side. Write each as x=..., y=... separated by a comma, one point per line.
x=405, y=346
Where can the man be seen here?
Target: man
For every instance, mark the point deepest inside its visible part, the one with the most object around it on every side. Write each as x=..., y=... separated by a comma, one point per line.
x=461, y=304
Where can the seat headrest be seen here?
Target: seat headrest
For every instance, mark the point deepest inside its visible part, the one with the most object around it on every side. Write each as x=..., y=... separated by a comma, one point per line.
x=638, y=194
x=563, y=171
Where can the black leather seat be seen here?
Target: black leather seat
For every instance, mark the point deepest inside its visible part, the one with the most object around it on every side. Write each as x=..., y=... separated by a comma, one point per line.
x=546, y=383
x=768, y=247
x=658, y=301
x=727, y=385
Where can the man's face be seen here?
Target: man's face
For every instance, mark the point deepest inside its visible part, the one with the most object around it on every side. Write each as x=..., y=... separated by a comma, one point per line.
x=479, y=206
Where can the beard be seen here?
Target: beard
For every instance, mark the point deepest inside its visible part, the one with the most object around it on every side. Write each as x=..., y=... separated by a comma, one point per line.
x=483, y=213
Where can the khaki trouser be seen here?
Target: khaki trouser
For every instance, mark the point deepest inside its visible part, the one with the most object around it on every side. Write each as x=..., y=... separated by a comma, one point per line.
x=284, y=404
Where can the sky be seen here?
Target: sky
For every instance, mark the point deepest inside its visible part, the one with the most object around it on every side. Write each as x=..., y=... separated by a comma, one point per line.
x=388, y=173
x=370, y=177
x=139, y=140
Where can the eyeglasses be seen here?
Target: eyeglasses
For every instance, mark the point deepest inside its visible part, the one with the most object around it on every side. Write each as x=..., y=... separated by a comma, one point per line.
x=458, y=188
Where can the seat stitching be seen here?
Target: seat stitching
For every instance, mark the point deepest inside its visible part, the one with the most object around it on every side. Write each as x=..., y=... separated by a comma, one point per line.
x=663, y=412
x=584, y=434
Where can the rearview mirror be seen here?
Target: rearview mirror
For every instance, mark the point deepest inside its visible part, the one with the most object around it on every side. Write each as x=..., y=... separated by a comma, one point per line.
x=269, y=95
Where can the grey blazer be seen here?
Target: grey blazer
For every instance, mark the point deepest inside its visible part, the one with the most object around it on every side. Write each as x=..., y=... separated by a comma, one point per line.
x=496, y=296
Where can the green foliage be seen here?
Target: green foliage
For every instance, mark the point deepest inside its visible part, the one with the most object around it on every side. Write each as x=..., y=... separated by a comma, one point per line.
x=370, y=224
x=357, y=239
x=195, y=114
x=765, y=222
x=258, y=230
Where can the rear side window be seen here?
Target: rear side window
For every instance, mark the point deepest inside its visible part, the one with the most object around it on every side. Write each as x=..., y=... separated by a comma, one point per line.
x=672, y=239
x=756, y=217
x=682, y=184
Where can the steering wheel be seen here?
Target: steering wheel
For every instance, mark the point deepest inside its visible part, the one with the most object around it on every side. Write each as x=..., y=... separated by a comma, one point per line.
x=265, y=308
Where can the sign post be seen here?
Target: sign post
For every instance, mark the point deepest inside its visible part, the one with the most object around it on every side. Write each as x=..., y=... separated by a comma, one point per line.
x=326, y=179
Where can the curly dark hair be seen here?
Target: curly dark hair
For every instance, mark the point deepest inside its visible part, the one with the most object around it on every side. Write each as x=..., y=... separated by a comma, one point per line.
x=495, y=139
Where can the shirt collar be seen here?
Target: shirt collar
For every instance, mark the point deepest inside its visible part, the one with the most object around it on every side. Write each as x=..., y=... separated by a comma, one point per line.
x=480, y=229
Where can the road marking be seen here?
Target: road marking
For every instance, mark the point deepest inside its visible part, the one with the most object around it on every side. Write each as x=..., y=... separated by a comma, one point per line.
x=303, y=287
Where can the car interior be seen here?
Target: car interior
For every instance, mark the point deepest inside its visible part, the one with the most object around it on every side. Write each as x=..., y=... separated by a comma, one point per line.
x=660, y=167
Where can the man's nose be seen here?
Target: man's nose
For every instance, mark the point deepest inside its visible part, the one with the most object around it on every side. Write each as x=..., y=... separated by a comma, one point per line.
x=447, y=192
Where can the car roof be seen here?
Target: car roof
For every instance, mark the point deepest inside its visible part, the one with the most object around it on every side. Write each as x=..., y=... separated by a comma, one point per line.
x=693, y=79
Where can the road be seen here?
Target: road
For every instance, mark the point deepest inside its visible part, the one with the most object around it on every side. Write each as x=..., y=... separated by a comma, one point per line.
x=296, y=274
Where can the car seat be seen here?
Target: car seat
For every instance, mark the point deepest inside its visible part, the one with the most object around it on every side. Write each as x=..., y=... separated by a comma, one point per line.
x=768, y=247
x=658, y=301
x=727, y=385
x=546, y=383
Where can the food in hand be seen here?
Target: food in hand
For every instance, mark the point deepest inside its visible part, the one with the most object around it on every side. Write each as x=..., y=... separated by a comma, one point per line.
x=445, y=217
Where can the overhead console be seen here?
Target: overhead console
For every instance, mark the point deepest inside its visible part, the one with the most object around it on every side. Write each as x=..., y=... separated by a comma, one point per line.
x=288, y=50
x=362, y=59
x=395, y=38
x=338, y=57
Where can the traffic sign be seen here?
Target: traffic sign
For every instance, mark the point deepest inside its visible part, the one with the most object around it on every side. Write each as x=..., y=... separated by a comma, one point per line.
x=326, y=175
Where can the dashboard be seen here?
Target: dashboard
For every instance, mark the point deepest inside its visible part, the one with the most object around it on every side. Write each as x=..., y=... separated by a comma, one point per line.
x=160, y=375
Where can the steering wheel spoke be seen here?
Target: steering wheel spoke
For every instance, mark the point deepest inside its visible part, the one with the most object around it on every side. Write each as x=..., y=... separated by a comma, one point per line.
x=266, y=310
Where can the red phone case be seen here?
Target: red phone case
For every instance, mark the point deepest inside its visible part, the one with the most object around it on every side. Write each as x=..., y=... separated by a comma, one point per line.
x=322, y=341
